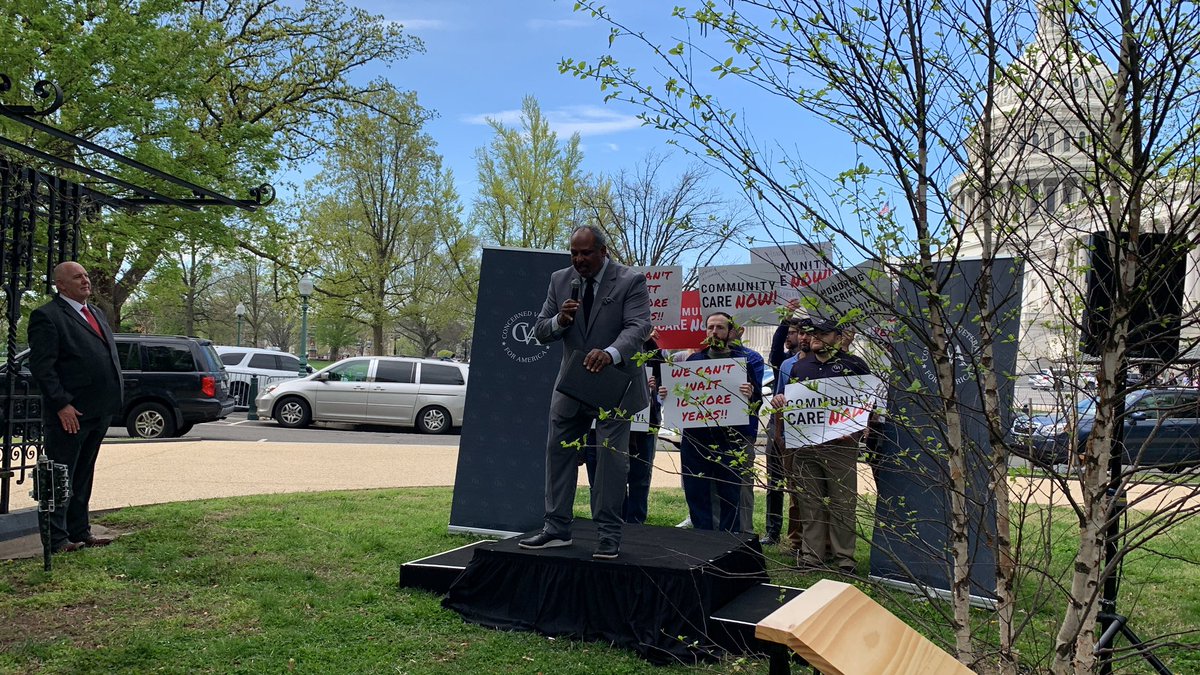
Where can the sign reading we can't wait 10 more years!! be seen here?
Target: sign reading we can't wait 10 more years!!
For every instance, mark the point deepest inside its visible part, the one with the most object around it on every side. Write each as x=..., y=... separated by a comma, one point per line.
x=705, y=393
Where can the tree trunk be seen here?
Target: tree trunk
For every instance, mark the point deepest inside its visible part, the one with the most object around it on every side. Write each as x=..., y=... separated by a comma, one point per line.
x=998, y=470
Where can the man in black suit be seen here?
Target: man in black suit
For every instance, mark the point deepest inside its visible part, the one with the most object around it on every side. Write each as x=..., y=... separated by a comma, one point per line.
x=602, y=309
x=73, y=359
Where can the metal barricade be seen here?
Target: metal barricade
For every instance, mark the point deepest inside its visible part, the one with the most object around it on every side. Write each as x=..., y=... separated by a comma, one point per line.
x=239, y=386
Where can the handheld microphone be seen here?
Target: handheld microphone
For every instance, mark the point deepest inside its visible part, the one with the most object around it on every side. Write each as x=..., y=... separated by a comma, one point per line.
x=575, y=288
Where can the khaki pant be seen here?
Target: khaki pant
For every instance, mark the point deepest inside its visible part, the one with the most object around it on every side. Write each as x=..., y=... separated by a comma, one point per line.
x=788, y=457
x=823, y=479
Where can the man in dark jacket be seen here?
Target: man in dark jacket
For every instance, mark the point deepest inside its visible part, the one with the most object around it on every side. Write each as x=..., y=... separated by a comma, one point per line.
x=73, y=359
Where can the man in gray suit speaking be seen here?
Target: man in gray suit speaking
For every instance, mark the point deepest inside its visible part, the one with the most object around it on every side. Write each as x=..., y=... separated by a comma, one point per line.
x=607, y=321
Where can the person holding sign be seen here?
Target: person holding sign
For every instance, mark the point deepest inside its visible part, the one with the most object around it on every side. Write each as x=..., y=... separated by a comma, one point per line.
x=715, y=457
x=601, y=310
x=824, y=475
x=791, y=338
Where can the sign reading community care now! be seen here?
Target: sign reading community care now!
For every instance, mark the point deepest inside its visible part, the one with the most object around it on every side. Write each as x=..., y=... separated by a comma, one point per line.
x=819, y=411
x=798, y=265
x=748, y=293
x=705, y=394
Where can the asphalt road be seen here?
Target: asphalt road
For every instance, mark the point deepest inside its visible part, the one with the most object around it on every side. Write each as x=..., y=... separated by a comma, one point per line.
x=237, y=428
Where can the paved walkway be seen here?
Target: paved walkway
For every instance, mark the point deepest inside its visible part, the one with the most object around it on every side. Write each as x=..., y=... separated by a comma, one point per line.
x=141, y=472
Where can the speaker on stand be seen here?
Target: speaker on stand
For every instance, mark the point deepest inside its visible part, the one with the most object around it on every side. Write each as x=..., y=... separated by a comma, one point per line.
x=1155, y=306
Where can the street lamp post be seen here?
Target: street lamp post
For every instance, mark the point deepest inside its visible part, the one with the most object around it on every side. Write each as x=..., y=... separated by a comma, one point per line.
x=240, y=310
x=306, y=289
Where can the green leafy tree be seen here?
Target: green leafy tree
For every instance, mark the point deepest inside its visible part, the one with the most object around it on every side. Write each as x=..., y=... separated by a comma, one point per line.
x=440, y=311
x=334, y=327
x=219, y=93
x=380, y=207
x=529, y=183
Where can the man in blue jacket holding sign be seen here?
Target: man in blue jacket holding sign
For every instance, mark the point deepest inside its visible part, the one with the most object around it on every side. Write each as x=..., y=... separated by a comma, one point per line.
x=721, y=457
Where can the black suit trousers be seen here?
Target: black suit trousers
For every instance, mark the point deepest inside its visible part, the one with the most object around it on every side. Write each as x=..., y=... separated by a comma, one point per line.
x=78, y=451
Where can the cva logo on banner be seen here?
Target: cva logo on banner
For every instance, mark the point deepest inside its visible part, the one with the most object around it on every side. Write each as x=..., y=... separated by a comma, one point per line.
x=518, y=340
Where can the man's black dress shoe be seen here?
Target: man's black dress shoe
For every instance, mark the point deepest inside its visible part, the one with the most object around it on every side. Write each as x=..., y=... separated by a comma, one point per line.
x=96, y=542
x=543, y=540
x=69, y=547
x=607, y=550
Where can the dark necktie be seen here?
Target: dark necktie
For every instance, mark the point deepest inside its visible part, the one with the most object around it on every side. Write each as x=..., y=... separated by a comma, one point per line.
x=91, y=320
x=589, y=296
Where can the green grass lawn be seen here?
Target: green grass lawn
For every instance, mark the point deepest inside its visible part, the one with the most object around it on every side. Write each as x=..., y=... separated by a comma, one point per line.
x=308, y=583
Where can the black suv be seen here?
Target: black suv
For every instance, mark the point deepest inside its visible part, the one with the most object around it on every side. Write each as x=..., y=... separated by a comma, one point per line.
x=171, y=384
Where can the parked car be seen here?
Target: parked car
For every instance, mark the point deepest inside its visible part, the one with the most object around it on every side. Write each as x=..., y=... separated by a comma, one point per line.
x=1028, y=432
x=1042, y=379
x=429, y=394
x=171, y=384
x=270, y=365
x=1061, y=378
x=1161, y=427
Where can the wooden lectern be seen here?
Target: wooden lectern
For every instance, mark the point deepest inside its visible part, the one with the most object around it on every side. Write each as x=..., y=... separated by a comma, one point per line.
x=840, y=631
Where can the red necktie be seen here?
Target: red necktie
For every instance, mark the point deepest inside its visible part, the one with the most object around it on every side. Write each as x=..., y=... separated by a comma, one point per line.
x=91, y=320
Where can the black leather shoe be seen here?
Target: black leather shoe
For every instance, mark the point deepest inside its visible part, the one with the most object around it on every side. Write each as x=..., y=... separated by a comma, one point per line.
x=69, y=547
x=607, y=550
x=543, y=540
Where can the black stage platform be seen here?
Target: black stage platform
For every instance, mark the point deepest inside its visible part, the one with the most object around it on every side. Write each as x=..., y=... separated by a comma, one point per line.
x=658, y=598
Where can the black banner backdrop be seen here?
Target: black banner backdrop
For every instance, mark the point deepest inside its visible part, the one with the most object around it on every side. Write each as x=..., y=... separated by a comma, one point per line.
x=911, y=543
x=501, y=480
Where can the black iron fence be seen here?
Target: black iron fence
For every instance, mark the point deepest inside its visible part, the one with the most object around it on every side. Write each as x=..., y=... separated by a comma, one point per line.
x=40, y=216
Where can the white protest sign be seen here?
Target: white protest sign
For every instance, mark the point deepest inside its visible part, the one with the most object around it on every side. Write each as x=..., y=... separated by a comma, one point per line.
x=748, y=293
x=664, y=283
x=797, y=265
x=820, y=411
x=705, y=393
x=856, y=295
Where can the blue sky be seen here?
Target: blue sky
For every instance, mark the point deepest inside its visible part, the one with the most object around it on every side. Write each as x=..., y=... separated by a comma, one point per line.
x=482, y=57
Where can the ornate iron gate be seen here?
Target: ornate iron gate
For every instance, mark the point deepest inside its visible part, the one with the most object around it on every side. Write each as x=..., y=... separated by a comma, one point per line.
x=41, y=215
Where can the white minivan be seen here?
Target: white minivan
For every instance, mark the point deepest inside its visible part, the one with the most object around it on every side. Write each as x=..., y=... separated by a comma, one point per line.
x=429, y=394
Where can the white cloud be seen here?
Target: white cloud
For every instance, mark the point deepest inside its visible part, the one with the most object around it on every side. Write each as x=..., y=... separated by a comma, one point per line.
x=421, y=24
x=586, y=120
x=541, y=24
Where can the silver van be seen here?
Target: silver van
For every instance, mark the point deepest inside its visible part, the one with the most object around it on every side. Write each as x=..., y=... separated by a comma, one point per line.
x=429, y=394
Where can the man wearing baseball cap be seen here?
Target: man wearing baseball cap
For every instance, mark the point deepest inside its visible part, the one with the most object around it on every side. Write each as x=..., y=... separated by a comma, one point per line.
x=824, y=477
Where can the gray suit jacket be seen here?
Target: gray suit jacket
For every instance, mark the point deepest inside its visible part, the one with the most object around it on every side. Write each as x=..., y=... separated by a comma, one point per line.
x=620, y=318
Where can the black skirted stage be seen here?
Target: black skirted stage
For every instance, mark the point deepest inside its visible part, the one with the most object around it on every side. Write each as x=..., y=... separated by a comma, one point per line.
x=659, y=598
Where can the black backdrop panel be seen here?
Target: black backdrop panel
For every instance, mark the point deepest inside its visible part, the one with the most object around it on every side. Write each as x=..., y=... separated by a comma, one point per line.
x=912, y=514
x=501, y=479
x=1157, y=296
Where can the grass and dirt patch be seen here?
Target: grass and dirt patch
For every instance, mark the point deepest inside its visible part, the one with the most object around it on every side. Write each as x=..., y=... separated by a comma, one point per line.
x=308, y=583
